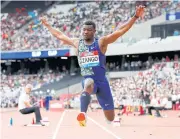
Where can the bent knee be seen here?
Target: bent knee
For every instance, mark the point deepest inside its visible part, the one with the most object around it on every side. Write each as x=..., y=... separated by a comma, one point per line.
x=110, y=114
x=36, y=107
x=110, y=118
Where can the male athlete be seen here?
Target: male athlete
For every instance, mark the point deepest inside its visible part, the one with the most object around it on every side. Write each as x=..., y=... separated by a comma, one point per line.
x=91, y=57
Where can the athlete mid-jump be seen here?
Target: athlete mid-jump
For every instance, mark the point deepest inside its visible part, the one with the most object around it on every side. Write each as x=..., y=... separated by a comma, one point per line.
x=91, y=57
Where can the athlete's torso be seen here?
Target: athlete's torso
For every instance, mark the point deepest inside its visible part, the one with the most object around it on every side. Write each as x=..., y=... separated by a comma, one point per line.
x=91, y=60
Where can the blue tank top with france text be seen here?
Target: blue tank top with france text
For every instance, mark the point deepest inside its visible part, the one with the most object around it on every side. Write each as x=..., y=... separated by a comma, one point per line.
x=91, y=60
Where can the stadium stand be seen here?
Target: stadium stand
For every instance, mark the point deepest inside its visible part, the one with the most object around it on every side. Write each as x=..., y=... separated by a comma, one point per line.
x=160, y=77
x=106, y=22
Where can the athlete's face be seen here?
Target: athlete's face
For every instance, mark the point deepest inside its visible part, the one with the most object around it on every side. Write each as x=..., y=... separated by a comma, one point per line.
x=88, y=32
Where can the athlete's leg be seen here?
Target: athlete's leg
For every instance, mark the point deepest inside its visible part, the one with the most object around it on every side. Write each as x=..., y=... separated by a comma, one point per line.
x=109, y=114
x=85, y=96
x=88, y=88
x=84, y=101
x=105, y=99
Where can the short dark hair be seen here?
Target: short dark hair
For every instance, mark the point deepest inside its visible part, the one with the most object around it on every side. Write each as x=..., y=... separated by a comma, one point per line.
x=89, y=22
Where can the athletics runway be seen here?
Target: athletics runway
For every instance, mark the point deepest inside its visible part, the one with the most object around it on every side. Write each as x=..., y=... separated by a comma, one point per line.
x=63, y=125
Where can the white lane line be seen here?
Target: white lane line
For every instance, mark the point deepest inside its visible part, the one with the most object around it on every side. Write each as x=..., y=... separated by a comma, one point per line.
x=104, y=128
x=58, y=126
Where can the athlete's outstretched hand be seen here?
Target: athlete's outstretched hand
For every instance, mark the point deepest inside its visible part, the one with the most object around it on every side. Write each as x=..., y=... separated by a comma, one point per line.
x=140, y=11
x=44, y=21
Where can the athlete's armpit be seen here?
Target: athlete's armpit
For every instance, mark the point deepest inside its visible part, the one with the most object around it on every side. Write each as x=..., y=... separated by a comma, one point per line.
x=75, y=42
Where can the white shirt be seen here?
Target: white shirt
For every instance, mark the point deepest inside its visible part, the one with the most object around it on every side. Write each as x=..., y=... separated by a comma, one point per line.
x=164, y=102
x=178, y=96
x=23, y=98
x=173, y=97
x=154, y=102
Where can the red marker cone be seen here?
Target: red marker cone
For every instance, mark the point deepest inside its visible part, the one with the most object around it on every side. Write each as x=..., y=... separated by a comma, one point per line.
x=141, y=110
x=33, y=121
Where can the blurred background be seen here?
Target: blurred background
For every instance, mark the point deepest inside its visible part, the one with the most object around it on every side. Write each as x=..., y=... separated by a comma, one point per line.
x=146, y=60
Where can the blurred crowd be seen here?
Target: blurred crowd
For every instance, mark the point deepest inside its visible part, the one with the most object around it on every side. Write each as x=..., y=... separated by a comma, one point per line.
x=137, y=65
x=162, y=80
x=12, y=85
x=108, y=15
x=128, y=66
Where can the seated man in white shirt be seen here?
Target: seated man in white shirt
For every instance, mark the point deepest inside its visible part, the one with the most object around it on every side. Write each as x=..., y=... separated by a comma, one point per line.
x=154, y=106
x=25, y=107
x=164, y=104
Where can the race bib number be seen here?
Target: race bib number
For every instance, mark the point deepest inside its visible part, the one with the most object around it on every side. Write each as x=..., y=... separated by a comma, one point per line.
x=89, y=60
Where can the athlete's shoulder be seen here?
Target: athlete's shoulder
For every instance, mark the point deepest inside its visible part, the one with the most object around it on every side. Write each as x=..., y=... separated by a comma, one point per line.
x=97, y=40
x=100, y=40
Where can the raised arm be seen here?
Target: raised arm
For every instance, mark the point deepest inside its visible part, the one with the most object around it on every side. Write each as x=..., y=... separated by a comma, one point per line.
x=123, y=29
x=59, y=35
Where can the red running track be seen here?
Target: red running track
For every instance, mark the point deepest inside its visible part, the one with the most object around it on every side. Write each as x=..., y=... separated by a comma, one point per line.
x=63, y=125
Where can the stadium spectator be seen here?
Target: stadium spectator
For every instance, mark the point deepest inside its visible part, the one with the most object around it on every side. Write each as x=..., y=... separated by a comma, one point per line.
x=112, y=14
x=176, y=33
